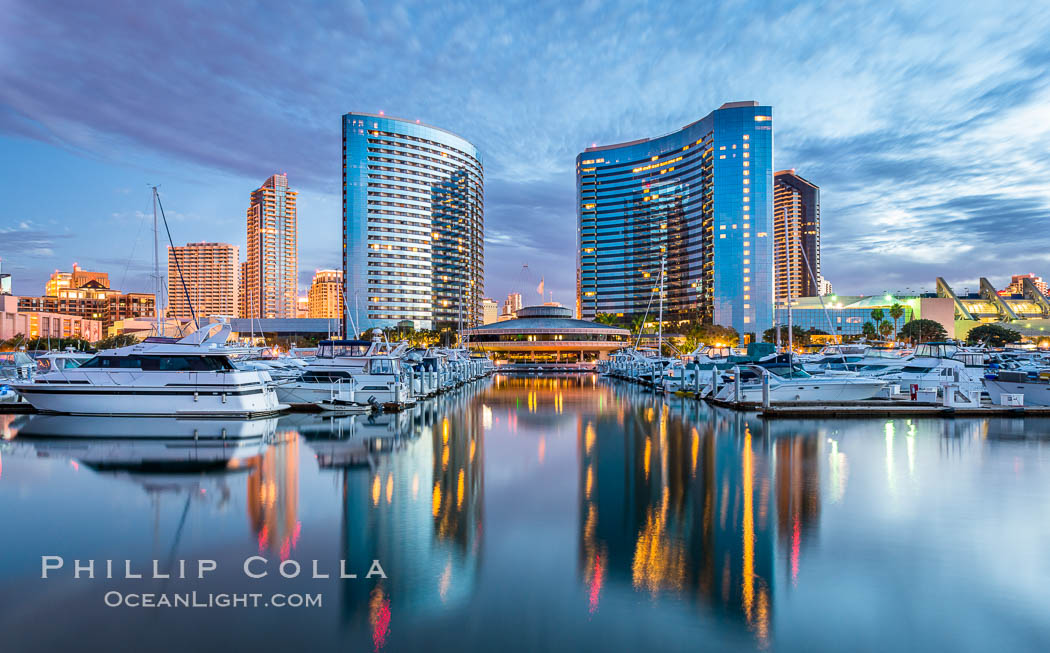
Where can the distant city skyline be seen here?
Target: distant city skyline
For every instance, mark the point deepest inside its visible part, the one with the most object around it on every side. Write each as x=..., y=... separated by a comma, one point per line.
x=886, y=113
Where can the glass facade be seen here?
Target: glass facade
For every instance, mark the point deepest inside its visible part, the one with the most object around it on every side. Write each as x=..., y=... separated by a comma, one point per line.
x=699, y=198
x=413, y=224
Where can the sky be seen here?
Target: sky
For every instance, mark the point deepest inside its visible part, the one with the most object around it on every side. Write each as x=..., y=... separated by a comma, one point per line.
x=926, y=125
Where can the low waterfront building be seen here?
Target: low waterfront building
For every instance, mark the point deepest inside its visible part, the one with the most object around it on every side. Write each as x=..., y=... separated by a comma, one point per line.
x=87, y=295
x=1025, y=310
x=547, y=334
x=845, y=315
x=15, y=321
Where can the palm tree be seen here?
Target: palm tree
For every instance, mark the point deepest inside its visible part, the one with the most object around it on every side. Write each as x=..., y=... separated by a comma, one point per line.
x=896, y=312
x=877, y=316
x=885, y=328
x=606, y=318
x=869, y=330
x=637, y=322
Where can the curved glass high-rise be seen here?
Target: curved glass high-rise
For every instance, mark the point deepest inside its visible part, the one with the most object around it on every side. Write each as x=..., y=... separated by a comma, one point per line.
x=413, y=224
x=699, y=199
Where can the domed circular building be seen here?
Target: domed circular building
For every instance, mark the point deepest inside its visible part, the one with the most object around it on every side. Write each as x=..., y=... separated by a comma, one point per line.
x=547, y=334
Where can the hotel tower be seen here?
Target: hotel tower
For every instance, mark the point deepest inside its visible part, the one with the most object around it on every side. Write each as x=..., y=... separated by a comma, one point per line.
x=271, y=274
x=796, y=236
x=413, y=224
x=699, y=199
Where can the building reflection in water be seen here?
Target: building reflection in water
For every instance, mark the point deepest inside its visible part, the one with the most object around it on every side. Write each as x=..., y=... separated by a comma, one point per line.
x=273, y=497
x=412, y=488
x=692, y=506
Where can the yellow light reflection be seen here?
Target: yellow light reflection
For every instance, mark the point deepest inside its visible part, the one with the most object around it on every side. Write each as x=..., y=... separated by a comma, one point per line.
x=460, y=487
x=377, y=486
x=435, y=499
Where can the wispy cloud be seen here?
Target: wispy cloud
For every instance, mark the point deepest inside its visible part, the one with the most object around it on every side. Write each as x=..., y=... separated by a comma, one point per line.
x=924, y=124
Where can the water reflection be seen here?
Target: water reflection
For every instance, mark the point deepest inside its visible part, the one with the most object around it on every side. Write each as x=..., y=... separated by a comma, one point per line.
x=670, y=506
x=560, y=513
x=412, y=487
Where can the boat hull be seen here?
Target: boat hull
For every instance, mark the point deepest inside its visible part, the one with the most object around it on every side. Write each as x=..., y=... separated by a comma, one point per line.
x=1035, y=394
x=232, y=401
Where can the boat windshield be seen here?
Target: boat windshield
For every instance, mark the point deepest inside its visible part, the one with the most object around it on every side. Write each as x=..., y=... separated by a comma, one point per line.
x=936, y=350
x=342, y=349
x=382, y=366
x=160, y=363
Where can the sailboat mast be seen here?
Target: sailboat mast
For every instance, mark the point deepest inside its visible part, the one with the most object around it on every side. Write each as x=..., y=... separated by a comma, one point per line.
x=660, y=320
x=791, y=263
x=156, y=267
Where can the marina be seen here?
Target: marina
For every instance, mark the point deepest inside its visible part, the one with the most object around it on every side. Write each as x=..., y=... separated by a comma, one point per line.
x=573, y=512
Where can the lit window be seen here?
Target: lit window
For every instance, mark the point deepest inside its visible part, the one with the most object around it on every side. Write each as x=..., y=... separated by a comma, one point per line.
x=747, y=261
x=747, y=279
x=722, y=227
x=746, y=137
x=747, y=172
x=747, y=163
x=734, y=146
x=747, y=296
x=721, y=235
x=747, y=305
x=747, y=270
x=747, y=320
x=763, y=118
x=747, y=287
x=722, y=148
x=746, y=155
x=745, y=146
x=722, y=156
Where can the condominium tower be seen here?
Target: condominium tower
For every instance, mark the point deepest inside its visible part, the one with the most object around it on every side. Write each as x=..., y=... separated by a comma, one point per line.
x=796, y=236
x=326, y=295
x=413, y=224
x=698, y=200
x=210, y=272
x=271, y=275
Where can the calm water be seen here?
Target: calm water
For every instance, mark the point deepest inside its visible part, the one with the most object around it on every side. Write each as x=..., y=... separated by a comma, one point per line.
x=567, y=514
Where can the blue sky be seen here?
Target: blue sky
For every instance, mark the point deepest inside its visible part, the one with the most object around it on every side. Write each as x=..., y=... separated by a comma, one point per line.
x=927, y=125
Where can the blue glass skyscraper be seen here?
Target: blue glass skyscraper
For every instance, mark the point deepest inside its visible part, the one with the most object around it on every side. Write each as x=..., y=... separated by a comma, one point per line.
x=699, y=198
x=413, y=224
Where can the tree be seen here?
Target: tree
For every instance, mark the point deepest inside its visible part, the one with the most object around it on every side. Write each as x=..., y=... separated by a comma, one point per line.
x=876, y=317
x=896, y=312
x=918, y=331
x=112, y=342
x=45, y=344
x=637, y=322
x=709, y=334
x=885, y=328
x=606, y=318
x=994, y=335
x=799, y=336
x=869, y=330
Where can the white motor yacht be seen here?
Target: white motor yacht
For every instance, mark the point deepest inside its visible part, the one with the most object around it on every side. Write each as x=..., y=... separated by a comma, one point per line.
x=15, y=367
x=800, y=387
x=936, y=365
x=355, y=371
x=157, y=377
